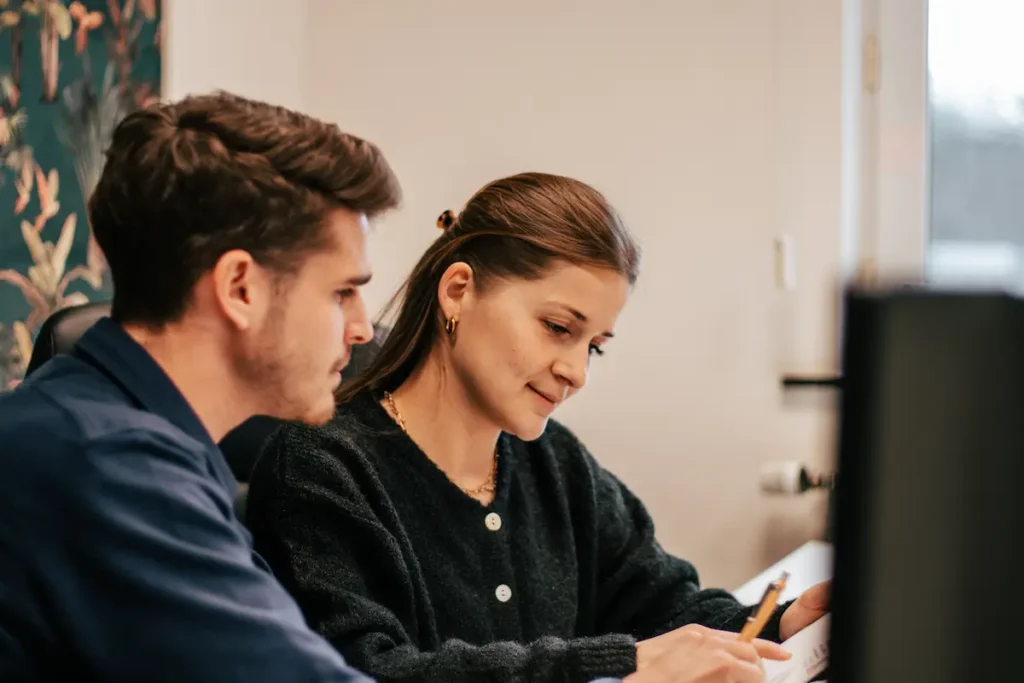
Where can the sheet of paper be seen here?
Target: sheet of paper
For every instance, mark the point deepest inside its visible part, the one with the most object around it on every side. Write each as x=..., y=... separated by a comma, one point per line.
x=810, y=655
x=807, y=565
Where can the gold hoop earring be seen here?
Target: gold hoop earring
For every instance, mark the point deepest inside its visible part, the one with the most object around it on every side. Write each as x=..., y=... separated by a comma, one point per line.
x=449, y=326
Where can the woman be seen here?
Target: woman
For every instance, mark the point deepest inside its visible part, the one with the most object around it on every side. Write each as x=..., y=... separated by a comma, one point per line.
x=441, y=527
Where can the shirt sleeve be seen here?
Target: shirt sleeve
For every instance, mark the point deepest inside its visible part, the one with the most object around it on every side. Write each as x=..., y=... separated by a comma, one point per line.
x=644, y=590
x=155, y=580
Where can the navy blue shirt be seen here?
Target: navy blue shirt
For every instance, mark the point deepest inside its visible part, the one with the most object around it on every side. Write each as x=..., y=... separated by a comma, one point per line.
x=121, y=558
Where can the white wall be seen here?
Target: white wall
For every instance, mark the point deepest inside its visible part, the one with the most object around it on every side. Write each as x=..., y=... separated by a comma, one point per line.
x=255, y=48
x=713, y=126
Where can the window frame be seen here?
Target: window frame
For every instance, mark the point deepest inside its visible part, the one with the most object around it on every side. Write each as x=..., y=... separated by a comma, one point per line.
x=893, y=230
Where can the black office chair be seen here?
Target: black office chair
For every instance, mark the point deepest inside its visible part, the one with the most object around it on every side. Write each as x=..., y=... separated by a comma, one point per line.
x=62, y=329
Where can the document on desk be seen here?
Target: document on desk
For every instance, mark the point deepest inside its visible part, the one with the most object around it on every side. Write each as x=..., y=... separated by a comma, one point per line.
x=810, y=655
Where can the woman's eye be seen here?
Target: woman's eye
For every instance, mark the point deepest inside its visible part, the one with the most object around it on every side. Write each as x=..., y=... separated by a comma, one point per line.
x=594, y=348
x=556, y=328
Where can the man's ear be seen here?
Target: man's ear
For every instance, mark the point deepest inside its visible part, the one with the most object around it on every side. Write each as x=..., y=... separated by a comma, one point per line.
x=455, y=284
x=242, y=288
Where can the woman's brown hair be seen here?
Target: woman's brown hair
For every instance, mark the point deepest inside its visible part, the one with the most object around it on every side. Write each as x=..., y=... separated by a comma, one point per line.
x=515, y=227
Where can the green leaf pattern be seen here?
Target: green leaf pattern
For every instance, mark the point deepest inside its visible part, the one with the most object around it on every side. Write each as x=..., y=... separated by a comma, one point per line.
x=88, y=105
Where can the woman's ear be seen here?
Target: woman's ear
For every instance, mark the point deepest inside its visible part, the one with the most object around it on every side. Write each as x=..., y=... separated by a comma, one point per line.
x=455, y=284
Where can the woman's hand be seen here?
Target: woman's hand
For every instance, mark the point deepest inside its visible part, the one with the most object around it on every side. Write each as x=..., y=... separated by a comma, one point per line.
x=808, y=608
x=695, y=654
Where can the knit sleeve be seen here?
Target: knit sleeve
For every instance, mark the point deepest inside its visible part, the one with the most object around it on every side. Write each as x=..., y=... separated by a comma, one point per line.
x=342, y=559
x=643, y=590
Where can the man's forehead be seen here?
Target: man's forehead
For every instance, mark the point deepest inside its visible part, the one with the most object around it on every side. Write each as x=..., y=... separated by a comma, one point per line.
x=345, y=256
x=347, y=225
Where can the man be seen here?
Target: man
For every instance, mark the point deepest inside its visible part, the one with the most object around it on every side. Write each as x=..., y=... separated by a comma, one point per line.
x=234, y=232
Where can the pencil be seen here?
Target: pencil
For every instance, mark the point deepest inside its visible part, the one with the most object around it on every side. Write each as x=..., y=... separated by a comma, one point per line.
x=761, y=615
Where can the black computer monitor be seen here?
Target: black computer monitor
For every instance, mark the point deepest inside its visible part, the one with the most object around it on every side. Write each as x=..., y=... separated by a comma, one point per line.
x=929, y=507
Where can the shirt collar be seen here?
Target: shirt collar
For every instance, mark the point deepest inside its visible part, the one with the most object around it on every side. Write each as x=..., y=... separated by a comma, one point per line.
x=110, y=348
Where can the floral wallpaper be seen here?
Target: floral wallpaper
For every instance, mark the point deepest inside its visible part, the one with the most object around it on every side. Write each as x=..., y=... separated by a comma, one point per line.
x=69, y=72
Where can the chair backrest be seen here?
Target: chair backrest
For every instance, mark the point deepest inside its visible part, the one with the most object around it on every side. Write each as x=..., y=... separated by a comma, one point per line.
x=62, y=330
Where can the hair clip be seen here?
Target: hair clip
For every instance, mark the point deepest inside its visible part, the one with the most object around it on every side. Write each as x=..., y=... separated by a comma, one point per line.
x=446, y=220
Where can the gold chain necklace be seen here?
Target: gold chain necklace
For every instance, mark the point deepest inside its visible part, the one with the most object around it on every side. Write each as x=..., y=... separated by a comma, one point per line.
x=487, y=487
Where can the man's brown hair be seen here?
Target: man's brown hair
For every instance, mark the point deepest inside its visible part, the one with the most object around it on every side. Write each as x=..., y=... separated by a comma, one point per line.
x=188, y=181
